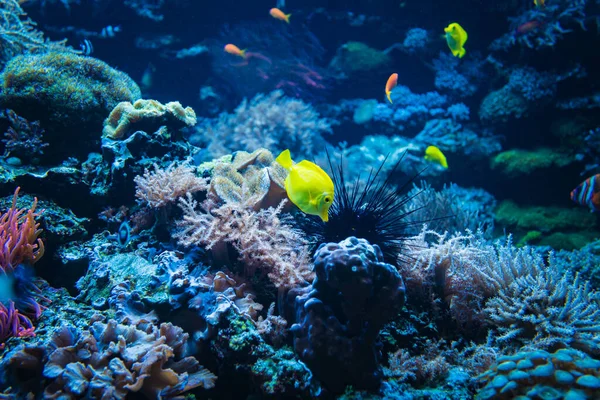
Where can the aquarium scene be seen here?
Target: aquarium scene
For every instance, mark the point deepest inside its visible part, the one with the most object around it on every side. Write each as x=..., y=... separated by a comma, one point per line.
x=300, y=199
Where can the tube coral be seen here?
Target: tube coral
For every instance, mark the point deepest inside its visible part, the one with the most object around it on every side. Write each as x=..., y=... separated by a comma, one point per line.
x=19, y=241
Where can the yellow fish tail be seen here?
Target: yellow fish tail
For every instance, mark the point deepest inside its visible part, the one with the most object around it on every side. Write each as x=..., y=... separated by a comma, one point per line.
x=461, y=52
x=287, y=18
x=285, y=159
x=388, y=94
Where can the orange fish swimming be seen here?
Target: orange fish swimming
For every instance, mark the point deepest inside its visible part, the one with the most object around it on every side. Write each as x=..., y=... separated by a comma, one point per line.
x=236, y=51
x=280, y=15
x=392, y=82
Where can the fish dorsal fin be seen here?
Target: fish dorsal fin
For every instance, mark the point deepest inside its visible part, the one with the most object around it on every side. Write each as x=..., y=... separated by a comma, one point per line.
x=285, y=159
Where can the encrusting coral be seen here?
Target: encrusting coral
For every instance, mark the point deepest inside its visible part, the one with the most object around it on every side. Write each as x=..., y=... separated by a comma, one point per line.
x=537, y=374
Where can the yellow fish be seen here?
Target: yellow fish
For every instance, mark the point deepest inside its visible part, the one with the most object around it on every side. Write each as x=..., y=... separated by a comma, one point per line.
x=456, y=37
x=307, y=186
x=434, y=154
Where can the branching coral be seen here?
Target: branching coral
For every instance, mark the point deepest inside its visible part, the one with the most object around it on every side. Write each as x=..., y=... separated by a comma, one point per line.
x=264, y=240
x=547, y=310
x=464, y=270
x=23, y=139
x=19, y=237
x=269, y=121
x=18, y=35
x=162, y=187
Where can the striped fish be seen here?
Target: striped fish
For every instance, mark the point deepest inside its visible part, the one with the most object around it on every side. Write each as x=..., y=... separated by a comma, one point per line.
x=588, y=193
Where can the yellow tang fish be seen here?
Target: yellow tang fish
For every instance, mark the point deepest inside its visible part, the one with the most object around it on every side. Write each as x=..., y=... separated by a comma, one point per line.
x=307, y=186
x=434, y=154
x=456, y=38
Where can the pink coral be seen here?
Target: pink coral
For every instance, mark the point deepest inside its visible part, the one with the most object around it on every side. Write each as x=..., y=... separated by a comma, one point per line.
x=162, y=187
x=13, y=324
x=19, y=241
x=263, y=240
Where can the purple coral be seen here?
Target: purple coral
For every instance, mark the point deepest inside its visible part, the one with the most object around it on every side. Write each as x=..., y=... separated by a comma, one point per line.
x=23, y=138
x=13, y=324
x=339, y=317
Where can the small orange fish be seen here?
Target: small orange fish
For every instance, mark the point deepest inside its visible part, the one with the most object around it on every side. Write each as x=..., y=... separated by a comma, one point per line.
x=278, y=14
x=392, y=82
x=236, y=51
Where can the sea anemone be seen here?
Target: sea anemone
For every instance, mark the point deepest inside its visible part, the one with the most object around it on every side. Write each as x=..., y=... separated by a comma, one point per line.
x=373, y=210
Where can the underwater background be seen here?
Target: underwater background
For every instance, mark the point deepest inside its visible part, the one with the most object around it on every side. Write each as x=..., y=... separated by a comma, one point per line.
x=366, y=199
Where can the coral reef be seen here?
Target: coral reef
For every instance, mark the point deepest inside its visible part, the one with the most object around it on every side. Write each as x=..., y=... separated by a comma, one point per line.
x=111, y=358
x=23, y=139
x=542, y=309
x=18, y=34
x=71, y=97
x=517, y=162
x=162, y=187
x=564, y=374
x=451, y=209
x=339, y=317
x=355, y=57
x=149, y=116
x=19, y=237
x=268, y=121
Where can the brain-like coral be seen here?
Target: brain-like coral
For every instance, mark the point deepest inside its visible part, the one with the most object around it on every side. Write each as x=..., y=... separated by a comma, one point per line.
x=146, y=115
x=338, y=319
x=565, y=374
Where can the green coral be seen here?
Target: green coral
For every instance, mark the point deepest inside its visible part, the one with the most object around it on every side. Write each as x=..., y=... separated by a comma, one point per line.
x=558, y=227
x=531, y=237
x=356, y=57
x=278, y=372
x=522, y=162
x=64, y=90
x=543, y=219
x=119, y=268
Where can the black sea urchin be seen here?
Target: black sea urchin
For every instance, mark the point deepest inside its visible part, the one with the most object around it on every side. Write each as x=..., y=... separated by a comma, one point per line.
x=373, y=210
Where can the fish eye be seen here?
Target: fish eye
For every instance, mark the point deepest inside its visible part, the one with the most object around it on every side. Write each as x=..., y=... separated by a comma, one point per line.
x=327, y=199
